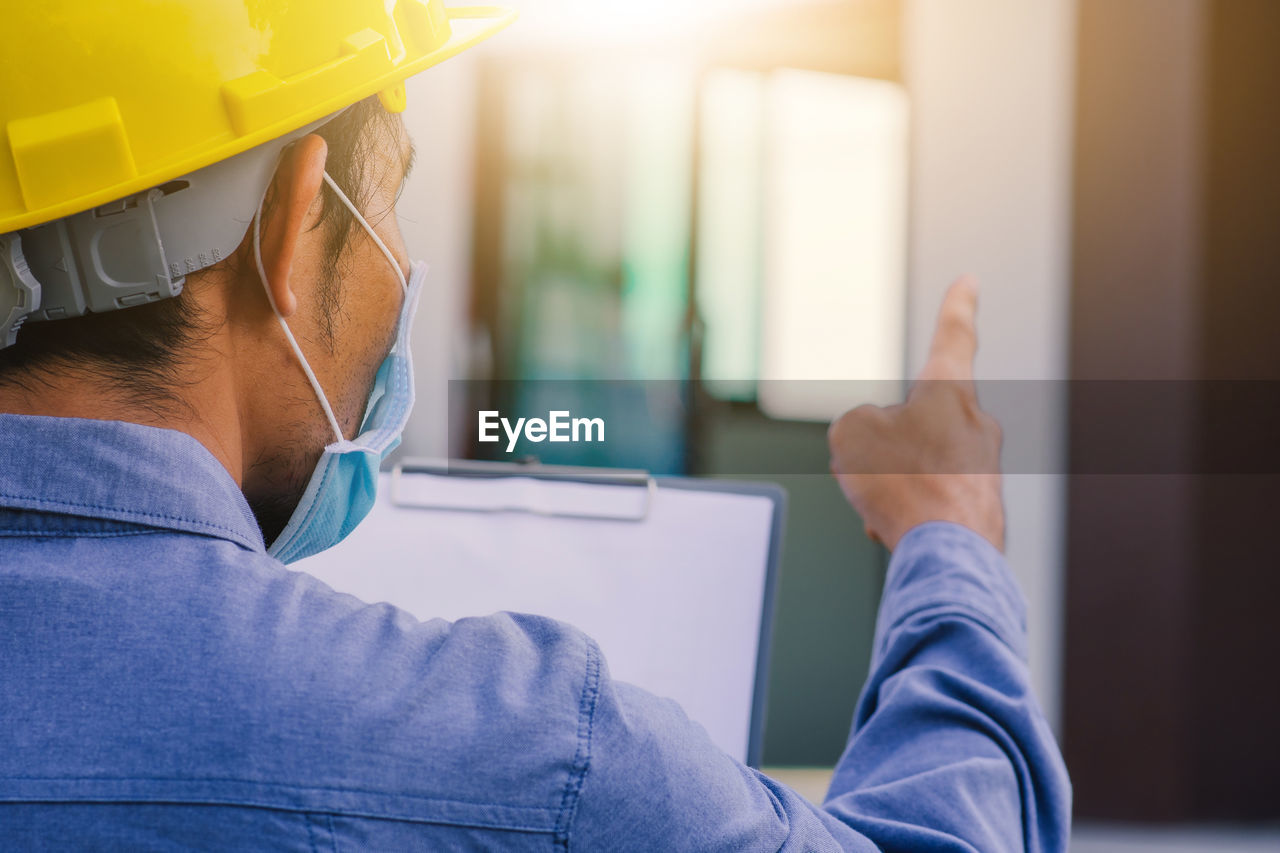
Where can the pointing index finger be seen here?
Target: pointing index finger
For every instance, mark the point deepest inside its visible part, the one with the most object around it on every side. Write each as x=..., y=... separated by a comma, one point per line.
x=955, y=340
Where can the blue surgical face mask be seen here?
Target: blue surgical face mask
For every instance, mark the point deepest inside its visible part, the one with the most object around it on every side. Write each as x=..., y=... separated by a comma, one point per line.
x=344, y=484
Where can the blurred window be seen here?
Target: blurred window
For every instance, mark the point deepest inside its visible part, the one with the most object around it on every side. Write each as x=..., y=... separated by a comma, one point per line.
x=802, y=236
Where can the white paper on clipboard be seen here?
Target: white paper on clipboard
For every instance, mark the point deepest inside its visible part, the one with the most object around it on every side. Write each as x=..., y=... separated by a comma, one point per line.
x=676, y=595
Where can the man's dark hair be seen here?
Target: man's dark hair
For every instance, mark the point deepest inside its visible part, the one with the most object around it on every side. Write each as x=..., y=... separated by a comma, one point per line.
x=139, y=348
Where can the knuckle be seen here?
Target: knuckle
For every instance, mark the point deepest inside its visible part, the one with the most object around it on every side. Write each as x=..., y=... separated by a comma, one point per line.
x=992, y=434
x=992, y=427
x=957, y=326
x=852, y=421
x=960, y=397
x=973, y=412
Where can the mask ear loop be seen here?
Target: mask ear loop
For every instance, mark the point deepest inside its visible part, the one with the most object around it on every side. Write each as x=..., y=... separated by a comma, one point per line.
x=391, y=259
x=293, y=343
x=297, y=350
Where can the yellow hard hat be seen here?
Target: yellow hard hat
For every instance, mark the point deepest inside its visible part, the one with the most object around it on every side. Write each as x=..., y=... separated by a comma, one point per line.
x=101, y=99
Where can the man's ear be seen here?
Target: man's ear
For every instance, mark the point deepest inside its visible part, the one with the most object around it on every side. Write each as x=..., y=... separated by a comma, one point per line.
x=293, y=190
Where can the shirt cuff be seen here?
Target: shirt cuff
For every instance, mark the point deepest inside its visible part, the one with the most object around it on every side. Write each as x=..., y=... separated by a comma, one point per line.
x=944, y=569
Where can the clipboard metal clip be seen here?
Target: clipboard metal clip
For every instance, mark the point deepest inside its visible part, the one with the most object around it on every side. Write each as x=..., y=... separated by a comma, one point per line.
x=460, y=485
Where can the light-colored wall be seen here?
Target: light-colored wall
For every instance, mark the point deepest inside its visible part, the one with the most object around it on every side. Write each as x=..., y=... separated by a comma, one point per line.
x=991, y=83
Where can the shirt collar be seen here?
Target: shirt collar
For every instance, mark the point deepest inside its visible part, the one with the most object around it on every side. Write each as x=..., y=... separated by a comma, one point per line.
x=122, y=472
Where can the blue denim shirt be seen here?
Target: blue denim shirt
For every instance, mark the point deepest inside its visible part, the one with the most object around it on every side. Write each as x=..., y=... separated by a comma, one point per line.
x=164, y=684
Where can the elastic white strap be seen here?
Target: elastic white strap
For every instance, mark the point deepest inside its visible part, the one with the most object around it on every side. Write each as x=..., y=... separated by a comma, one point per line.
x=391, y=259
x=297, y=350
x=293, y=342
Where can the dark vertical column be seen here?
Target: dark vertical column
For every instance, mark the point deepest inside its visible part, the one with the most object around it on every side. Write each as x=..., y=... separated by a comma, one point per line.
x=1172, y=640
x=1128, y=725
x=1237, y=650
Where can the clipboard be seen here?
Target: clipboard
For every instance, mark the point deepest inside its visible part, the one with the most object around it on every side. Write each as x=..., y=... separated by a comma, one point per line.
x=527, y=500
x=675, y=578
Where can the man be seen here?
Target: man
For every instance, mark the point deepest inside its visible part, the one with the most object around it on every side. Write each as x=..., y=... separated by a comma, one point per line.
x=167, y=683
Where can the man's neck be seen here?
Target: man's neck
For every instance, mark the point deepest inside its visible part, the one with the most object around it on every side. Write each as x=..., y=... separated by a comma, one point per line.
x=216, y=428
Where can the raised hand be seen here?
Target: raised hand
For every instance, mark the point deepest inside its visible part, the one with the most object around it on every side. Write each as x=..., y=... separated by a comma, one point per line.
x=935, y=457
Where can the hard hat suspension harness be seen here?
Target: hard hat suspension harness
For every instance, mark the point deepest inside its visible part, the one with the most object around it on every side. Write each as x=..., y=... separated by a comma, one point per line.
x=135, y=250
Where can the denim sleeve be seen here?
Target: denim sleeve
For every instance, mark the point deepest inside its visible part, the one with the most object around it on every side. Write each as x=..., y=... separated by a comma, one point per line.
x=949, y=749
